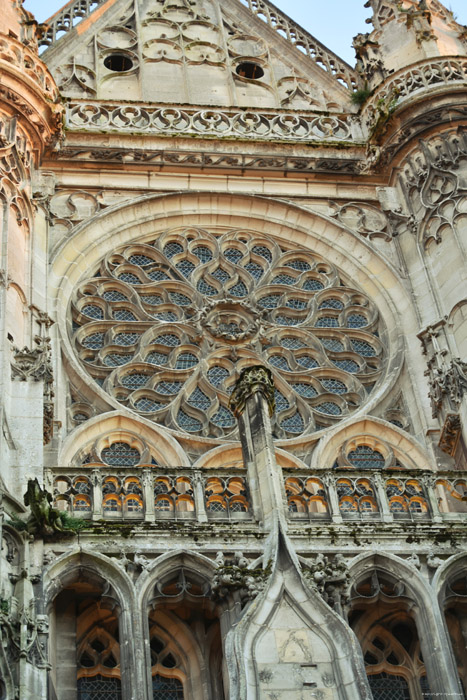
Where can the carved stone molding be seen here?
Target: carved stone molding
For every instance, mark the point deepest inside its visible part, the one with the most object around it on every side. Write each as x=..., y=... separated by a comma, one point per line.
x=365, y=219
x=255, y=379
x=205, y=160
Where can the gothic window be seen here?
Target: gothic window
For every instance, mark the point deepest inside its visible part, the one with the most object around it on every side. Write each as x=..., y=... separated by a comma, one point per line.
x=386, y=687
x=389, y=638
x=247, y=299
x=226, y=497
x=120, y=454
x=406, y=498
x=183, y=630
x=454, y=602
x=173, y=495
x=166, y=688
x=364, y=457
x=88, y=668
x=356, y=496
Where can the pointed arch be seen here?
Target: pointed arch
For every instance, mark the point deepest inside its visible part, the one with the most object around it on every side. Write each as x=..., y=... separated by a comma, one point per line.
x=162, y=443
x=376, y=429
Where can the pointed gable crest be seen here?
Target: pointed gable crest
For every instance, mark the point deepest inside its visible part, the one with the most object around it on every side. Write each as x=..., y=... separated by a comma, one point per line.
x=240, y=53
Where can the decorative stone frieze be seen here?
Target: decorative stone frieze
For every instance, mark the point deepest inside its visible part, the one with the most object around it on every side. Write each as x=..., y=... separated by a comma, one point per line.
x=254, y=124
x=408, y=82
x=206, y=160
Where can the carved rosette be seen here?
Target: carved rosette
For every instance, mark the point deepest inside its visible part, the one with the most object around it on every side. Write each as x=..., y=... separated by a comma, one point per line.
x=256, y=379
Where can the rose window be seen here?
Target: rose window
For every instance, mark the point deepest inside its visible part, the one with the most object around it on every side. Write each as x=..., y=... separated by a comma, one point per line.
x=166, y=327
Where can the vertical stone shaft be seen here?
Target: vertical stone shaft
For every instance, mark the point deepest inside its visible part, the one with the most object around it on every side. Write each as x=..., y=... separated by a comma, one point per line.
x=253, y=403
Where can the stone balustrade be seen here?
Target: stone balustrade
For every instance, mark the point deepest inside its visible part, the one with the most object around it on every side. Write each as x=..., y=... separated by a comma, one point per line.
x=182, y=493
x=149, y=493
x=251, y=125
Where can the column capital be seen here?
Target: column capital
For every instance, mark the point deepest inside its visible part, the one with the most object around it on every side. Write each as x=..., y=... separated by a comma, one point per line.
x=256, y=378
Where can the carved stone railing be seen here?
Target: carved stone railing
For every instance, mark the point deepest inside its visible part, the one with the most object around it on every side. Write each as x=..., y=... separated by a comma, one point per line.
x=384, y=495
x=66, y=19
x=149, y=493
x=407, y=82
x=14, y=52
x=253, y=124
x=306, y=43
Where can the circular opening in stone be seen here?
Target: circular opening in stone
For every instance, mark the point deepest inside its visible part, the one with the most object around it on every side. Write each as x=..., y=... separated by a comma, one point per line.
x=248, y=69
x=118, y=63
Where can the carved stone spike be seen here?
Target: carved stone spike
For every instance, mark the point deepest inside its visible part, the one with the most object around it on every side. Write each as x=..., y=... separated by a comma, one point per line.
x=253, y=379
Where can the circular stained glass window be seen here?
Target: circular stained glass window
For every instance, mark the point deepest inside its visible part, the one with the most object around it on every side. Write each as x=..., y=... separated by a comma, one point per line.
x=227, y=300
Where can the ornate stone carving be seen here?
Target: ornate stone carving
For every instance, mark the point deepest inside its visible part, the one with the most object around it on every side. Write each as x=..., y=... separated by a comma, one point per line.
x=405, y=82
x=253, y=124
x=255, y=379
x=365, y=219
x=65, y=19
x=297, y=36
x=217, y=303
x=26, y=58
x=45, y=521
x=33, y=363
x=206, y=160
x=450, y=434
x=447, y=382
x=331, y=578
x=236, y=577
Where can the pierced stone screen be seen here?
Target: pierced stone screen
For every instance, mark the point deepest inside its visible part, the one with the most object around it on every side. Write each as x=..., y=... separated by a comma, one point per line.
x=165, y=328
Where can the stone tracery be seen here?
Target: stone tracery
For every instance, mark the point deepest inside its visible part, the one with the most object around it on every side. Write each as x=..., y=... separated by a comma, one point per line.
x=164, y=326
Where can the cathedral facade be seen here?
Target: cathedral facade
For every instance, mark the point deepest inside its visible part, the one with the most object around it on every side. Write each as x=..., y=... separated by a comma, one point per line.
x=233, y=341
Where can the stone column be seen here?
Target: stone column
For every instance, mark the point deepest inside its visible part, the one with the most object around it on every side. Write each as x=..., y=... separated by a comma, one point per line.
x=198, y=495
x=96, y=480
x=252, y=402
x=330, y=482
x=147, y=480
x=386, y=515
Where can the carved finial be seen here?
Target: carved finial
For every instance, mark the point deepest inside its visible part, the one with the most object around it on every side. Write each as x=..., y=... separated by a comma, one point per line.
x=253, y=379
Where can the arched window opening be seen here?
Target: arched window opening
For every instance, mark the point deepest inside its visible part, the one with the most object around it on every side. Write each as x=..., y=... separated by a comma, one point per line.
x=364, y=457
x=85, y=642
x=455, y=611
x=185, y=639
x=166, y=688
x=381, y=618
x=384, y=687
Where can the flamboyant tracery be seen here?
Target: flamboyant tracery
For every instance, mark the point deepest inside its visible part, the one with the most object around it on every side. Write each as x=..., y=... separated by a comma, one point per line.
x=165, y=326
